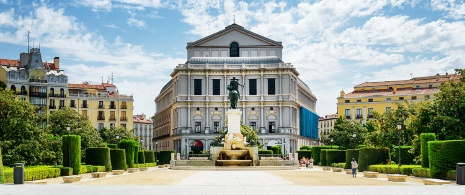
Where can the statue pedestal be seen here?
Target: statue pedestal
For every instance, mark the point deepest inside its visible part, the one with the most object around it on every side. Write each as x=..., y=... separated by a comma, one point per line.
x=234, y=121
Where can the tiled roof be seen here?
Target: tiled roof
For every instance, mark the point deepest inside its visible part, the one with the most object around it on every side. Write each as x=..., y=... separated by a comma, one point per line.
x=8, y=62
x=231, y=28
x=406, y=91
x=416, y=80
x=85, y=85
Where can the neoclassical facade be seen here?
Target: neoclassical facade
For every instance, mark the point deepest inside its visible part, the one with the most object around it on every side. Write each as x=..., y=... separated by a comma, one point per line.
x=191, y=107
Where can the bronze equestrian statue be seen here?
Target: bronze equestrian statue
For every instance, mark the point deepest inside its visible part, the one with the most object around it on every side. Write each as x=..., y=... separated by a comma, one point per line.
x=234, y=94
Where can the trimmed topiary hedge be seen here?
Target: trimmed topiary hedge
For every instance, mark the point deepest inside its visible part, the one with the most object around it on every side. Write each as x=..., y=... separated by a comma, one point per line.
x=265, y=151
x=305, y=148
x=118, y=159
x=316, y=152
x=304, y=153
x=99, y=156
x=424, y=138
x=421, y=172
x=407, y=157
x=66, y=171
x=2, y=175
x=112, y=146
x=91, y=169
x=33, y=173
x=444, y=155
x=128, y=146
x=335, y=156
x=276, y=149
x=136, y=153
x=75, y=148
x=141, y=157
x=149, y=156
x=393, y=169
x=351, y=153
x=165, y=157
x=372, y=156
x=323, y=157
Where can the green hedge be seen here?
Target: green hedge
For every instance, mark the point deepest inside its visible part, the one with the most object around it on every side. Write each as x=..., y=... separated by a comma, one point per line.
x=66, y=171
x=351, y=153
x=149, y=156
x=451, y=175
x=421, y=172
x=276, y=149
x=141, y=157
x=444, y=155
x=2, y=175
x=304, y=153
x=323, y=157
x=112, y=146
x=99, y=156
x=33, y=173
x=82, y=169
x=407, y=157
x=265, y=151
x=335, y=156
x=305, y=148
x=118, y=159
x=424, y=138
x=146, y=165
x=75, y=146
x=372, y=156
x=136, y=154
x=316, y=152
x=91, y=168
x=338, y=165
x=165, y=156
x=393, y=169
x=128, y=146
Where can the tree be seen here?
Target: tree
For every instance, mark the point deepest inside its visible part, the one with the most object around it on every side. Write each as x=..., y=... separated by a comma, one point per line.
x=342, y=134
x=21, y=138
x=109, y=135
x=250, y=135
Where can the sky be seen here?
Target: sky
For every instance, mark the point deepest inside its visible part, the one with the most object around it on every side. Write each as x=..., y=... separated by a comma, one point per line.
x=334, y=45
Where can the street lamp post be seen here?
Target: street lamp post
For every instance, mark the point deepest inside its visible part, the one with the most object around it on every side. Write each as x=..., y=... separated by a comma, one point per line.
x=284, y=148
x=117, y=139
x=68, y=128
x=355, y=139
x=156, y=150
x=399, y=127
x=332, y=140
x=187, y=153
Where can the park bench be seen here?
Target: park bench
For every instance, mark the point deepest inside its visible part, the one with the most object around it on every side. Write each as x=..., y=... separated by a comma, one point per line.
x=435, y=182
x=370, y=174
x=132, y=170
x=71, y=179
x=143, y=168
x=397, y=177
x=326, y=168
x=337, y=169
x=98, y=174
x=117, y=172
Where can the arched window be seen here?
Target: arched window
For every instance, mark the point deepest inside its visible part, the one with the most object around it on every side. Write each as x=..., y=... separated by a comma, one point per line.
x=23, y=90
x=234, y=49
x=13, y=88
x=52, y=92
x=62, y=92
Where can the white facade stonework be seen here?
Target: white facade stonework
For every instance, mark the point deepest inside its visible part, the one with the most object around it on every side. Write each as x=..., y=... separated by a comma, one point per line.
x=191, y=108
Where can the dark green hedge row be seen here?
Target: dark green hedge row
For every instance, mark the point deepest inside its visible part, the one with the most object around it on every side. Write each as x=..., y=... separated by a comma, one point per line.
x=66, y=171
x=393, y=169
x=407, y=157
x=34, y=173
x=146, y=165
x=82, y=169
x=451, y=175
x=424, y=139
x=112, y=146
x=304, y=153
x=372, y=156
x=2, y=175
x=99, y=156
x=335, y=156
x=265, y=151
x=444, y=155
x=276, y=149
x=323, y=157
x=165, y=156
x=136, y=154
x=75, y=148
x=316, y=152
x=351, y=153
x=149, y=156
x=305, y=148
x=141, y=157
x=421, y=172
x=129, y=147
x=91, y=168
x=118, y=159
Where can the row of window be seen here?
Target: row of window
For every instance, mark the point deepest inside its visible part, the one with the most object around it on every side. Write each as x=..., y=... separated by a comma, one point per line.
x=389, y=99
x=216, y=127
x=252, y=86
x=101, y=115
x=112, y=125
x=359, y=113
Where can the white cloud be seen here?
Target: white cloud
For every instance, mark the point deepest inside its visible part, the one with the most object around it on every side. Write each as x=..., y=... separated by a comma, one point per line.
x=454, y=8
x=134, y=22
x=96, y=5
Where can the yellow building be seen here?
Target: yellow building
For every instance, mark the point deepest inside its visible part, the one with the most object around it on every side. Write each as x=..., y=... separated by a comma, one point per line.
x=102, y=104
x=368, y=97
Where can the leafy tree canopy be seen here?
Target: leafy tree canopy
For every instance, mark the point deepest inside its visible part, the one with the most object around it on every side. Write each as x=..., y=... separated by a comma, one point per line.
x=343, y=132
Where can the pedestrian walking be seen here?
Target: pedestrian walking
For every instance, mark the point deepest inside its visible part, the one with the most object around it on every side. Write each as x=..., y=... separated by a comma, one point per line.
x=354, y=167
x=311, y=162
x=307, y=162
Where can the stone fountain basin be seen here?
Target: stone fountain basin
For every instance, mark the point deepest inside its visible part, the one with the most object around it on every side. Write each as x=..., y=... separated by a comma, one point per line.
x=234, y=154
x=235, y=162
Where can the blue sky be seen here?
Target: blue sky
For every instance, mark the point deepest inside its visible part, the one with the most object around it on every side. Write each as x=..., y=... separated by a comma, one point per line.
x=333, y=44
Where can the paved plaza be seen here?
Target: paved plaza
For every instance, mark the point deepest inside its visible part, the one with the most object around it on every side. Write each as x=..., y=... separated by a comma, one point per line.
x=166, y=181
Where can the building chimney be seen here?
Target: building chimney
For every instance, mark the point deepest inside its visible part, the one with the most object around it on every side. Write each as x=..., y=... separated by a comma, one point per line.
x=56, y=61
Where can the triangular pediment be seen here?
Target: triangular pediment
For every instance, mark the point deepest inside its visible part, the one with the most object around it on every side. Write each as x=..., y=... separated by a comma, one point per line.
x=234, y=33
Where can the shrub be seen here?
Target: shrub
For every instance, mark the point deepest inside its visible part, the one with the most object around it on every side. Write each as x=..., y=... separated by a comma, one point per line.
x=372, y=156
x=302, y=153
x=66, y=171
x=75, y=148
x=316, y=152
x=424, y=138
x=361, y=146
x=118, y=159
x=323, y=157
x=165, y=156
x=421, y=172
x=128, y=146
x=407, y=157
x=265, y=151
x=351, y=153
x=82, y=169
x=141, y=158
x=276, y=149
x=136, y=153
x=335, y=156
x=451, y=175
x=150, y=156
x=2, y=175
x=112, y=146
x=34, y=173
x=393, y=169
x=305, y=148
x=444, y=155
x=99, y=156
x=338, y=165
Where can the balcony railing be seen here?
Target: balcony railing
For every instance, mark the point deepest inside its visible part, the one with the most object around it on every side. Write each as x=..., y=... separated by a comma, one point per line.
x=52, y=107
x=371, y=116
x=124, y=107
x=21, y=93
x=112, y=107
x=37, y=80
x=37, y=94
x=112, y=118
x=84, y=106
x=100, y=117
x=359, y=116
x=101, y=106
x=72, y=106
x=347, y=116
x=56, y=95
x=123, y=119
x=61, y=107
